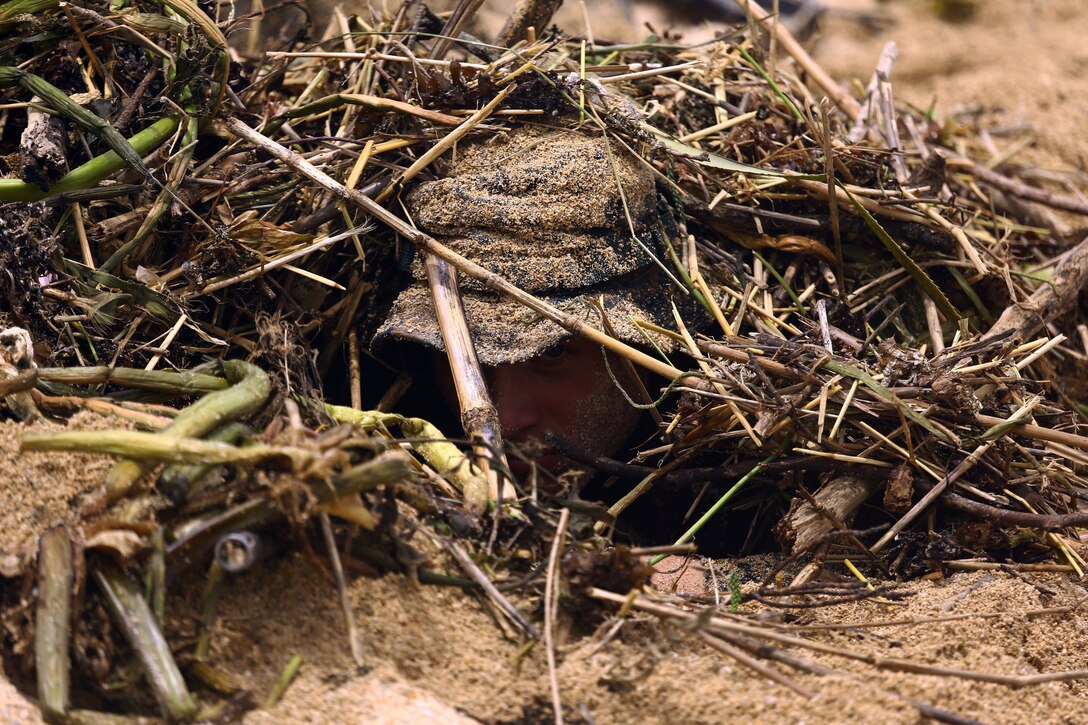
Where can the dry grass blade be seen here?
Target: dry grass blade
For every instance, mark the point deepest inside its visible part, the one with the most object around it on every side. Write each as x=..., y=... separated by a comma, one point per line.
x=551, y=601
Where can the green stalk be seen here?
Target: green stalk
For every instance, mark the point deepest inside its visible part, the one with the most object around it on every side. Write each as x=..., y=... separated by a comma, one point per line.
x=385, y=468
x=774, y=85
x=917, y=273
x=156, y=571
x=284, y=682
x=208, y=609
x=159, y=381
x=150, y=448
x=135, y=620
x=782, y=281
x=92, y=172
x=690, y=533
x=248, y=393
x=53, y=621
x=428, y=442
x=177, y=480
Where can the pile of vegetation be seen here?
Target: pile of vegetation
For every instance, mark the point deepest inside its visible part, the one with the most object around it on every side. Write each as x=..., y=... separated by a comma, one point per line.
x=201, y=243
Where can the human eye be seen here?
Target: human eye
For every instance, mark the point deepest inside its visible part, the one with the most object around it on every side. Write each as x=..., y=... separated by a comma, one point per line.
x=556, y=352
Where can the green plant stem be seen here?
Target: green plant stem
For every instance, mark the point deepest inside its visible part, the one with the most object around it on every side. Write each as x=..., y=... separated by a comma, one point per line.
x=159, y=381
x=135, y=620
x=52, y=622
x=248, y=392
x=208, y=609
x=92, y=172
x=150, y=448
x=177, y=480
x=698, y=525
x=284, y=682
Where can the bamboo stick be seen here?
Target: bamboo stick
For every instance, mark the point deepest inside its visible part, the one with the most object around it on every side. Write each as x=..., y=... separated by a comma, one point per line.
x=479, y=417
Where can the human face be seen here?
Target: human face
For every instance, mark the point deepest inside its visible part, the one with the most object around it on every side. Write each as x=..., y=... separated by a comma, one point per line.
x=566, y=390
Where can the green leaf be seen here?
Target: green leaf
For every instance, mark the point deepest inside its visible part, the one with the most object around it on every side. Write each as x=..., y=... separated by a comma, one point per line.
x=705, y=158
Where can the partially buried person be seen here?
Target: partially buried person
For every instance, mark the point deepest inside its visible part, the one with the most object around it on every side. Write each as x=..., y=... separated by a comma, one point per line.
x=574, y=219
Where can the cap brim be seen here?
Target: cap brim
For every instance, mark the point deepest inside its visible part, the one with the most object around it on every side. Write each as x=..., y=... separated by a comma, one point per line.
x=505, y=331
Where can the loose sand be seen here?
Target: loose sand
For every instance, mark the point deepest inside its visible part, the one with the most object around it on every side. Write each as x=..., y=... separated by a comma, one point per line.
x=444, y=643
x=1021, y=62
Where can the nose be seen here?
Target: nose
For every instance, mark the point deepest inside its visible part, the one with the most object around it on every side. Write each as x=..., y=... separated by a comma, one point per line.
x=518, y=409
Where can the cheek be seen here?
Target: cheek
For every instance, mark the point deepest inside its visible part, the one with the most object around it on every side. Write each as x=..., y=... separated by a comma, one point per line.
x=602, y=420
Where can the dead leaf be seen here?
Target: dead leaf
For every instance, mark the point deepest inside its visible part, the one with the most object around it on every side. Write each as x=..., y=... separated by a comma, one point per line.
x=122, y=542
x=899, y=492
x=248, y=229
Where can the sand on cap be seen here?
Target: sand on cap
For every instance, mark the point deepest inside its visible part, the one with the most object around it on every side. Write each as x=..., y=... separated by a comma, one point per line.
x=565, y=215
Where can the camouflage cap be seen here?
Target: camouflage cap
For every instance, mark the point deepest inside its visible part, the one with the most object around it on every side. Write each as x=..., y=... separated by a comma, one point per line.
x=564, y=215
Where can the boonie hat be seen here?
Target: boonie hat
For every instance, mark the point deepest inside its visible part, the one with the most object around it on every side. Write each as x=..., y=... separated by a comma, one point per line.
x=544, y=209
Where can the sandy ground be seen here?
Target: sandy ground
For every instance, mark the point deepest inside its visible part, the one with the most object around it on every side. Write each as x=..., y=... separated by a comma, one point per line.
x=444, y=643
x=436, y=655
x=1020, y=61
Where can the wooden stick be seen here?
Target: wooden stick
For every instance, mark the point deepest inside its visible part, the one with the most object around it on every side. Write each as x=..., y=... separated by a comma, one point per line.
x=1018, y=188
x=476, y=574
x=896, y=664
x=1037, y=432
x=527, y=14
x=861, y=126
x=551, y=603
x=752, y=663
x=836, y=502
x=462, y=13
x=1023, y=320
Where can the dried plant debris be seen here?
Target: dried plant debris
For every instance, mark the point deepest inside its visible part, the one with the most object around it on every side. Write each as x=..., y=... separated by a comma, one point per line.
x=882, y=361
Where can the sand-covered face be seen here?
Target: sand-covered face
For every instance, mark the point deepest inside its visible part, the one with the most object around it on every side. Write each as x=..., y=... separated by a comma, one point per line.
x=566, y=390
